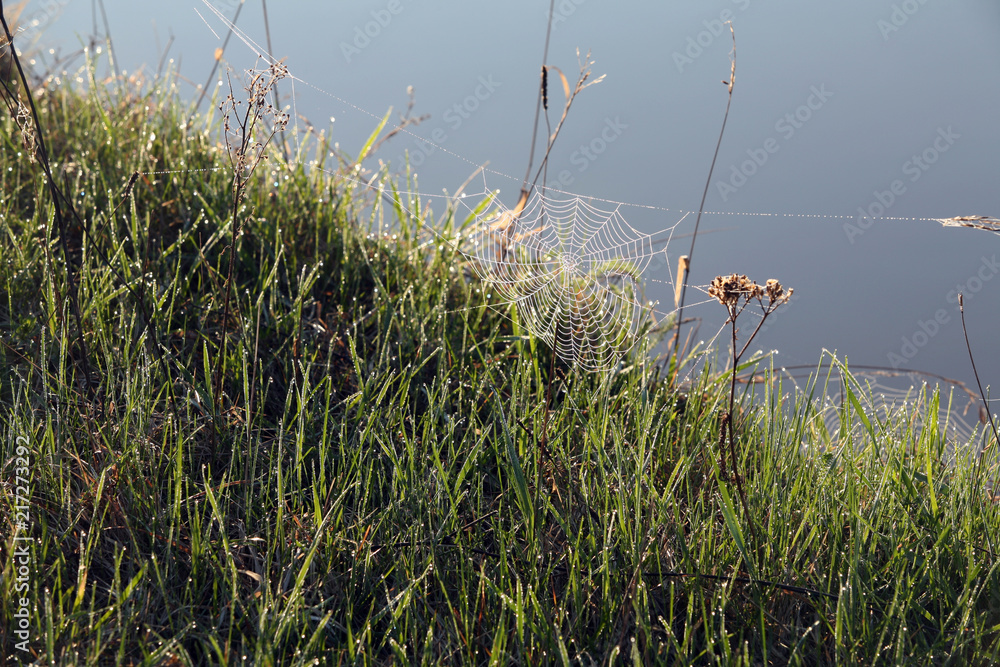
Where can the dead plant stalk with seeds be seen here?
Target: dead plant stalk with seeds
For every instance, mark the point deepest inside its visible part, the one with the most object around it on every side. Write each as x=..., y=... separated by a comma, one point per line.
x=247, y=137
x=736, y=292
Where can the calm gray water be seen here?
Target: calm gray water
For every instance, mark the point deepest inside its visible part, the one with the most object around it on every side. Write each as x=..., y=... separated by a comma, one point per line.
x=885, y=107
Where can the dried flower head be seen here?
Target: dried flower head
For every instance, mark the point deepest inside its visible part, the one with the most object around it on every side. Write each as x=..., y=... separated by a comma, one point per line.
x=729, y=289
x=246, y=129
x=776, y=294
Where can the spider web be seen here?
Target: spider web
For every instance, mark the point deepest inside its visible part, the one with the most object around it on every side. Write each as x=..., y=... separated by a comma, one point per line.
x=571, y=268
x=893, y=400
x=573, y=271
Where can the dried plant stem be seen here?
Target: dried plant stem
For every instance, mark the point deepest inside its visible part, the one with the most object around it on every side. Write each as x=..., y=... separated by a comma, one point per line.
x=241, y=128
x=542, y=107
x=735, y=292
x=989, y=413
x=727, y=425
x=982, y=394
x=581, y=83
x=218, y=58
x=405, y=120
x=37, y=148
x=277, y=97
x=530, y=182
x=111, y=45
x=542, y=96
x=701, y=207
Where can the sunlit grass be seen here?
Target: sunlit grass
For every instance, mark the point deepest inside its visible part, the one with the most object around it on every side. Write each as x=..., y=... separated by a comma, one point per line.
x=392, y=472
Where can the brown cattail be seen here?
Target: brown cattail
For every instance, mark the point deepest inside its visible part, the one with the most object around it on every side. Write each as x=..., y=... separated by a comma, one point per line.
x=545, y=87
x=683, y=264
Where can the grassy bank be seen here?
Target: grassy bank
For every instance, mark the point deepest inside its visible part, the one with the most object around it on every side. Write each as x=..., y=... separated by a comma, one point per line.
x=334, y=453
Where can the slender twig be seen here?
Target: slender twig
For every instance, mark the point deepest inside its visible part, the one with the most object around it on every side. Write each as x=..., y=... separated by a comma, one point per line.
x=405, y=120
x=542, y=107
x=245, y=155
x=541, y=96
x=736, y=292
x=734, y=463
x=543, y=441
x=277, y=97
x=701, y=206
x=218, y=58
x=581, y=83
x=445, y=541
x=989, y=413
x=982, y=394
x=748, y=580
x=59, y=198
x=163, y=56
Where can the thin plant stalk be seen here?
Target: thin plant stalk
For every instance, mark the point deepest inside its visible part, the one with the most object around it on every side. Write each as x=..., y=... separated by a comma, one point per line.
x=701, y=207
x=218, y=58
x=277, y=97
x=542, y=97
x=729, y=426
x=989, y=413
x=245, y=154
x=735, y=292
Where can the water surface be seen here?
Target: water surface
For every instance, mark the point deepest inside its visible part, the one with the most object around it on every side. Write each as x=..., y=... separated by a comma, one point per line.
x=839, y=109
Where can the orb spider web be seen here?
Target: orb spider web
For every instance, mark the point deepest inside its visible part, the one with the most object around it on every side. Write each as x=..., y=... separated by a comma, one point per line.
x=572, y=270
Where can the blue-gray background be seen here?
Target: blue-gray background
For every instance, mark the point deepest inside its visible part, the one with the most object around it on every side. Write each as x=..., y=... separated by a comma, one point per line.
x=899, y=74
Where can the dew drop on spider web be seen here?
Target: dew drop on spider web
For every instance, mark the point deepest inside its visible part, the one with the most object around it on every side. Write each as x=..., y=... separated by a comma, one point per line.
x=572, y=270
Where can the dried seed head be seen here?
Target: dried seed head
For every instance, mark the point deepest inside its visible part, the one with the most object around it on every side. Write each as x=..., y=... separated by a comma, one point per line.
x=776, y=293
x=729, y=289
